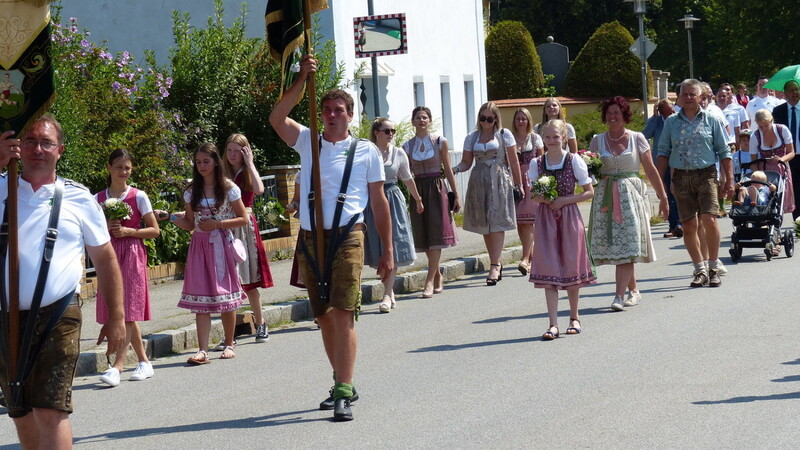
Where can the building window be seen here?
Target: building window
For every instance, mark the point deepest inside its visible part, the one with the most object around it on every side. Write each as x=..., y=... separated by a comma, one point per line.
x=469, y=101
x=447, y=114
x=419, y=93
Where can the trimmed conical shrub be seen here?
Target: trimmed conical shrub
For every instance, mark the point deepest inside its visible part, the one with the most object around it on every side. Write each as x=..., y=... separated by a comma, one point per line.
x=606, y=67
x=513, y=68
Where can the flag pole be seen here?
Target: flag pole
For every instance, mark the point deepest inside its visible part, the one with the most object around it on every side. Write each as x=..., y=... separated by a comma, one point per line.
x=13, y=272
x=316, y=181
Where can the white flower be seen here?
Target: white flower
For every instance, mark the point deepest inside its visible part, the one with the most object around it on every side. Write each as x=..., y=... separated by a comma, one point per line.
x=586, y=159
x=111, y=202
x=544, y=180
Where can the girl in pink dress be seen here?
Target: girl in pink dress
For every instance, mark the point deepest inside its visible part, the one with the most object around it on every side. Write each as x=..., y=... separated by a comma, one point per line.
x=211, y=280
x=126, y=238
x=560, y=257
x=254, y=273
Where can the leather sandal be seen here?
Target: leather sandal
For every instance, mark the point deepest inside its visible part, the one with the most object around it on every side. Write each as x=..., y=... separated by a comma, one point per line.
x=572, y=329
x=493, y=281
x=549, y=335
x=200, y=358
x=228, y=353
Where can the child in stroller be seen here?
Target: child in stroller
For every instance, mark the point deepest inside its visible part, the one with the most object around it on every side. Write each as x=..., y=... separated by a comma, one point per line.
x=757, y=216
x=758, y=191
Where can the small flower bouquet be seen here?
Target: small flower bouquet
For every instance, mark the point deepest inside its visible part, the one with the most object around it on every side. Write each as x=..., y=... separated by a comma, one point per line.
x=797, y=227
x=592, y=161
x=545, y=186
x=273, y=213
x=114, y=209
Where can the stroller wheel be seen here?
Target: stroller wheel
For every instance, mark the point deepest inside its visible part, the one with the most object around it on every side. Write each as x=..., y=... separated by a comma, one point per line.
x=735, y=252
x=768, y=251
x=788, y=243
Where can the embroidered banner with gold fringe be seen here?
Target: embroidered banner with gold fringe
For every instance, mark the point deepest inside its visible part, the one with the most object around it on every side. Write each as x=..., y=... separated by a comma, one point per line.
x=26, y=69
x=285, y=34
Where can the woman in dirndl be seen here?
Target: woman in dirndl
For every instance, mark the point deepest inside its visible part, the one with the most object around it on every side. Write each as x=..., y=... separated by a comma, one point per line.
x=211, y=279
x=254, y=272
x=433, y=228
x=395, y=167
x=529, y=146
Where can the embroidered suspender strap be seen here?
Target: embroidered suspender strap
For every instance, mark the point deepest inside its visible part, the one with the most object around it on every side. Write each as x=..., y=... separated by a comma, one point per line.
x=27, y=355
x=323, y=273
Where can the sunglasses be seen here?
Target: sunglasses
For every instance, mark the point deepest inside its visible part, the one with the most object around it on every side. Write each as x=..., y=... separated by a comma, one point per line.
x=486, y=119
x=389, y=131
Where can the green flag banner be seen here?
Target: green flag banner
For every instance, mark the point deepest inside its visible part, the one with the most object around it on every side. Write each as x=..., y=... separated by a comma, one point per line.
x=26, y=68
x=285, y=33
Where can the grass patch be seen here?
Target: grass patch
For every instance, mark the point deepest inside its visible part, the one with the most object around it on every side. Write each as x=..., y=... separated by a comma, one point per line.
x=459, y=219
x=656, y=219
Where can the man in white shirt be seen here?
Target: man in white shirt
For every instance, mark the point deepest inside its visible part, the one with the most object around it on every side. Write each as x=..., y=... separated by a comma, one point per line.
x=727, y=102
x=336, y=315
x=762, y=100
x=42, y=416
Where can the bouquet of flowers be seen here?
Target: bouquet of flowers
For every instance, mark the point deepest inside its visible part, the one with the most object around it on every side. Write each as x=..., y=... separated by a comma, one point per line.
x=797, y=227
x=114, y=209
x=593, y=161
x=545, y=186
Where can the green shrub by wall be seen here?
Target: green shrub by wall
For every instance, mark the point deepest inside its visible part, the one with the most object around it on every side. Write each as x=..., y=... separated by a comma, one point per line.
x=513, y=68
x=606, y=67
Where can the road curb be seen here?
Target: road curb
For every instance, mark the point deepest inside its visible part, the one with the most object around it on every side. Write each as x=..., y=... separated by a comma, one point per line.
x=171, y=342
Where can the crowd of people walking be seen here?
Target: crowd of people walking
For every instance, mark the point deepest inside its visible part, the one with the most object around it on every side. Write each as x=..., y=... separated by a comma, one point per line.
x=529, y=178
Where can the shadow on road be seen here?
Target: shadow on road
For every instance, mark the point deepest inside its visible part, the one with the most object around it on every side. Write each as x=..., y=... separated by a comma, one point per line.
x=292, y=417
x=750, y=398
x=451, y=347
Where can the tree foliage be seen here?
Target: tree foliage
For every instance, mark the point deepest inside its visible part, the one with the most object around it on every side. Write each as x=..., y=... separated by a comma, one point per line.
x=513, y=67
x=105, y=102
x=606, y=66
x=225, y=82
x=734, y=41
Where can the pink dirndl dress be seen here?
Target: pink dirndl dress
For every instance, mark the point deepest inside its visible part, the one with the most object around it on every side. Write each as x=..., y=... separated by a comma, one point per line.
x=254, y=272
x=780, y=167
x=132, y=259
x=211, y=280
x=560, y=256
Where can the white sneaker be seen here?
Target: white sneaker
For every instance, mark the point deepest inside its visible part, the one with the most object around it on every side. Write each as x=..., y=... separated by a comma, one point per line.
x=142, y=372
x=632, y=299
x=110, y=377
x=616, y=305
x=721, y=269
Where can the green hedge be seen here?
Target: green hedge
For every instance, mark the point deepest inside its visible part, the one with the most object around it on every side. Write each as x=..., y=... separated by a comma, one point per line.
x=606, y=67
x=513, y=68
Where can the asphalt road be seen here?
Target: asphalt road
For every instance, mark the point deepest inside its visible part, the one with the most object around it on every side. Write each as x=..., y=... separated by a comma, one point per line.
x=686, y=368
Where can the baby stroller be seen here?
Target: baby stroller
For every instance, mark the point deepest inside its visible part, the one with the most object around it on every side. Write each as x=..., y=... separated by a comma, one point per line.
x=760, y=226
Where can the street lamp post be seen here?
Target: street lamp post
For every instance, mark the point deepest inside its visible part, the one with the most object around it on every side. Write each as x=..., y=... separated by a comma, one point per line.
x=640, y=8
x=688, y=23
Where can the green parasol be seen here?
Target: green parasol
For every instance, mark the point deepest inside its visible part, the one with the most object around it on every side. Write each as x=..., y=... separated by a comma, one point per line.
x=788, y=73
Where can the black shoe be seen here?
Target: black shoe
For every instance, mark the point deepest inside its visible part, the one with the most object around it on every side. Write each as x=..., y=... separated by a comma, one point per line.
x=328, y=403
x=341, y=410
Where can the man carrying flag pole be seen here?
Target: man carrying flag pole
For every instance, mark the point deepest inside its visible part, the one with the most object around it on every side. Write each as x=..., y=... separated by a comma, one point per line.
x=40, y=317
x=353, y=176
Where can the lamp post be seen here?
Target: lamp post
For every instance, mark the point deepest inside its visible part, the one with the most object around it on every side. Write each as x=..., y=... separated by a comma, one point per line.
x=640, y=8
x=688, y=23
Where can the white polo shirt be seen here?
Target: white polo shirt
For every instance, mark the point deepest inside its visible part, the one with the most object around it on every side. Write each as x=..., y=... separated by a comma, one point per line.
x=367, y=168
x=81, y=222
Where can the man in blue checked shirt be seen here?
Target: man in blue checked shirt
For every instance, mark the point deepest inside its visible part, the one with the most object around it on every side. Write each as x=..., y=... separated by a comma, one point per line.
x=691, y=142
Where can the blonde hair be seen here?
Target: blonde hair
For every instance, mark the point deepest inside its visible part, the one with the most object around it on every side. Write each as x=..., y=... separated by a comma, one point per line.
x=763, y=115
x=544, y=111
x=495, y=110
x=759, y=175
x=527, y=115
x=560, y=126
x=240, y=139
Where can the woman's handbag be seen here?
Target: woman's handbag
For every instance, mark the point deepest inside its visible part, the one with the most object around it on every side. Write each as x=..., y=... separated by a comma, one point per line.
x=451, y=200
x=238, y=249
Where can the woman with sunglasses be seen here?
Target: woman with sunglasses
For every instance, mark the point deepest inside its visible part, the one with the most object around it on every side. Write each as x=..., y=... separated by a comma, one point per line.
x=433, y=228
x=395, y=166
x=552, y=110
x=489, y=203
